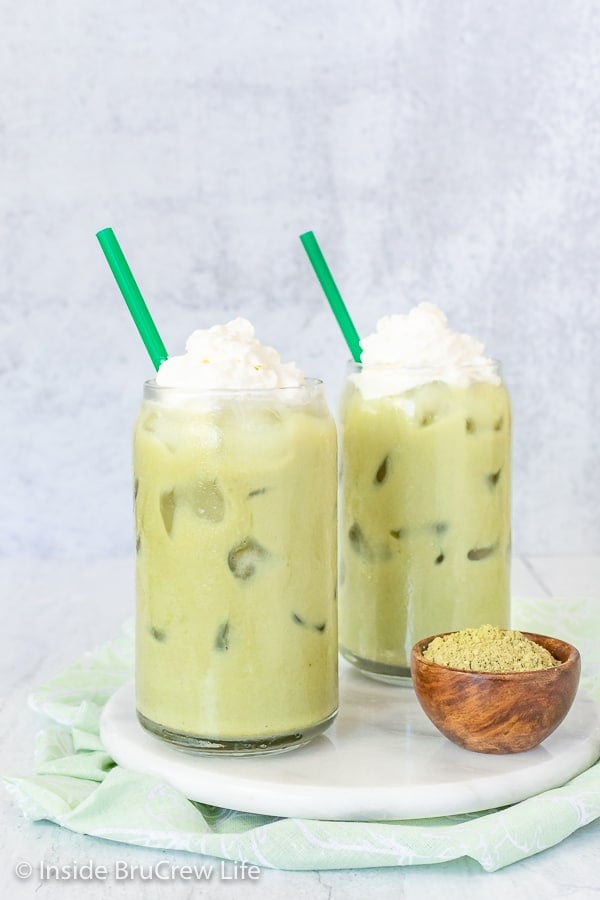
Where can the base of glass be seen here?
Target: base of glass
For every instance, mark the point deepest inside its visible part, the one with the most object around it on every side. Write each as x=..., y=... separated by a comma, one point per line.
x=210, y=746
x=398, y=675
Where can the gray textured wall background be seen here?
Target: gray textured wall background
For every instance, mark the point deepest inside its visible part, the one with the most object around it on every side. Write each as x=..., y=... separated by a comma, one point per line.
x=446, y=150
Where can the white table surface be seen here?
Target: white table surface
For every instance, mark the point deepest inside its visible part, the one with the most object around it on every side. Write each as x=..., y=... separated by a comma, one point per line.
x=54, y=611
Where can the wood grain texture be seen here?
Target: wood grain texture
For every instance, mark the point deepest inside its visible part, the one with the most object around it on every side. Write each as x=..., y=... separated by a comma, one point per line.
x=492, y=712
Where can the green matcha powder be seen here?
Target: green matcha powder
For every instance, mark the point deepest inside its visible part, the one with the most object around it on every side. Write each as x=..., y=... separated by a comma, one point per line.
x=489, y=649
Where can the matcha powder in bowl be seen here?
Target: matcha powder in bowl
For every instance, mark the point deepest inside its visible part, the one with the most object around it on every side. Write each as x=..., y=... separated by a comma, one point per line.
x=489, y=649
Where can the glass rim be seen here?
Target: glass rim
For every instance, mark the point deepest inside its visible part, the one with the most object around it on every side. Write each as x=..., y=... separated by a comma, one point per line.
x=491, y=363
x=164, y=390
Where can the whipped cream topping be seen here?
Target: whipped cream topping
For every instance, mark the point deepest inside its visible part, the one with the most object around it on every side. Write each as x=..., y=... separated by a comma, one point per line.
x=409, y=350
x=225, y=357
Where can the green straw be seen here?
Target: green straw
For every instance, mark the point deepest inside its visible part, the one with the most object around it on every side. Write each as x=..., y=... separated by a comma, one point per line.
x=132, y=296
x=334, y=298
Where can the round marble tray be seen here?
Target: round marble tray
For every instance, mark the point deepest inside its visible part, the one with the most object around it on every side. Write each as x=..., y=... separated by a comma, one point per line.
x=382, y=759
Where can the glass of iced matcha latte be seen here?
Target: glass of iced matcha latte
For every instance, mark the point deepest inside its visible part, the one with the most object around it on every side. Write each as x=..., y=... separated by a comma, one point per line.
x=235, y=511
x=425, y=492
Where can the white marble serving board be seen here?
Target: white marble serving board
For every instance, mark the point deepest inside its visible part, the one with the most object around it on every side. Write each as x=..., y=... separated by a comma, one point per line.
x=382, y=759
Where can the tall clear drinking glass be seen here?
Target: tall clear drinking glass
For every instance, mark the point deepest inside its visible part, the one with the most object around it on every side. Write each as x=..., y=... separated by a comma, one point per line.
x=425, y=514
x=235, y=510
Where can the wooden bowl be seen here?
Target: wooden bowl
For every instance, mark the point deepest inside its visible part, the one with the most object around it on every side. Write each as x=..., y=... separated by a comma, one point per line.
x=497, y=712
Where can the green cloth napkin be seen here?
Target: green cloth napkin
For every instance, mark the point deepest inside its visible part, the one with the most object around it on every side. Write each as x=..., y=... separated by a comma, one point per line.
x=77, y=785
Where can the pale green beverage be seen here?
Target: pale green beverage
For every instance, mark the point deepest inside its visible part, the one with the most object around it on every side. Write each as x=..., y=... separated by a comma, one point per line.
x=236, y=647
x=425, y=515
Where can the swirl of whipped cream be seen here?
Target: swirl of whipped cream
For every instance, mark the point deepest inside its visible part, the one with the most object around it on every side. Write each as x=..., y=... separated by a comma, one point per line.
x=228, y=357
x=409, y=350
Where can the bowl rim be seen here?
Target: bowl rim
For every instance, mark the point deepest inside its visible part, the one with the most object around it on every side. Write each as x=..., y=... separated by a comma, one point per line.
x=571, y=659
